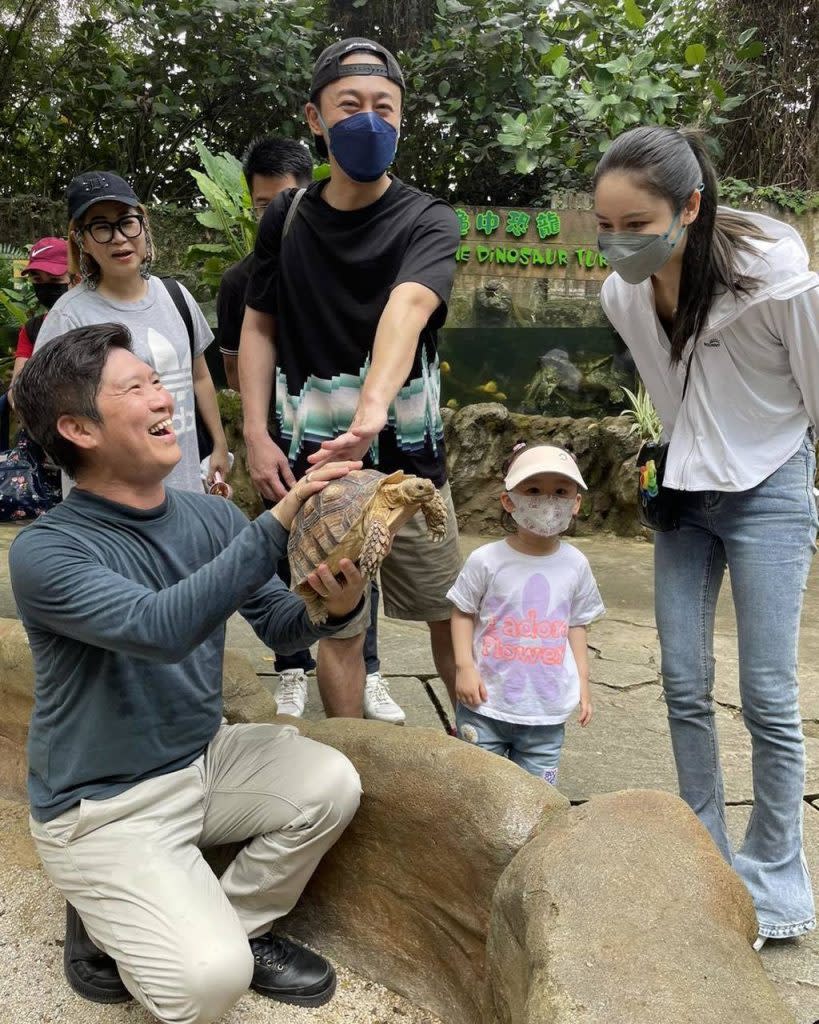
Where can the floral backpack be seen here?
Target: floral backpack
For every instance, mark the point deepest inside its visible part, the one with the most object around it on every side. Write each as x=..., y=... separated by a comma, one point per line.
x=28, y=485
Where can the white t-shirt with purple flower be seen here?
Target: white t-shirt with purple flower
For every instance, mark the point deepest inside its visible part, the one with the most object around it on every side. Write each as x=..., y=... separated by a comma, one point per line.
x=524, y=606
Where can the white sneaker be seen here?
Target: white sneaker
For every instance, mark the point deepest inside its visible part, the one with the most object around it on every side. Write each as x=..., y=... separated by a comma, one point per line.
x=759, y=942
x=291, y=693
x=378, y=703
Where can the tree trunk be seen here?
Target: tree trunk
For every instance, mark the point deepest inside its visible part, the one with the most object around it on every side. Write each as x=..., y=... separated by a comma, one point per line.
x=773, y=138
x=398, y=24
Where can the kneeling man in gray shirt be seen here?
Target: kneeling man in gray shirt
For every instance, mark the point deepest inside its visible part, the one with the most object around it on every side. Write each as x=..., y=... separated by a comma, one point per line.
x=124, y=590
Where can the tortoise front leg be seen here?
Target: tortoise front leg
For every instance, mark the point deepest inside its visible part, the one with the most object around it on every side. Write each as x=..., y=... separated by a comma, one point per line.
x=436, y=517
x=375, y=548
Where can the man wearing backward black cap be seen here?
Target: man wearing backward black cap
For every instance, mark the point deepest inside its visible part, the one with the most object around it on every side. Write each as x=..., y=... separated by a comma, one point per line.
x=350, y=285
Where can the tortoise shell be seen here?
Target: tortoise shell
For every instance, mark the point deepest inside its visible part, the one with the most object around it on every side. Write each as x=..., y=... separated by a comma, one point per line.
x=326, y=519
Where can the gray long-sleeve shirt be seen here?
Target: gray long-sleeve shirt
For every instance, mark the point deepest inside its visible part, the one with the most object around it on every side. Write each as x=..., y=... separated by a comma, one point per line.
x=125, y=611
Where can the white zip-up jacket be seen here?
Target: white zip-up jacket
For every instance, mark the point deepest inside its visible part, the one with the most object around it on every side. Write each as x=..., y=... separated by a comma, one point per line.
x=753, y=390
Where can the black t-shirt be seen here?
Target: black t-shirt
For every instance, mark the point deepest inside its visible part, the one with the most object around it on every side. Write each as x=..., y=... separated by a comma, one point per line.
x=230, y=304
x=327, y=292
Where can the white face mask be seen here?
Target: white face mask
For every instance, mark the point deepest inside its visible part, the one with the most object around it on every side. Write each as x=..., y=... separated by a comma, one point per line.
x=543, y=514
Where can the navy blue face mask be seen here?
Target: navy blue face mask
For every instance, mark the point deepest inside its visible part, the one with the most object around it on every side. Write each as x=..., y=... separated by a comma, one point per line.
x=363, y=144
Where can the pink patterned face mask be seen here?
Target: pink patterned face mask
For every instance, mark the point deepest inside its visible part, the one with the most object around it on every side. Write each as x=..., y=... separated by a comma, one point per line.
x=543, y=514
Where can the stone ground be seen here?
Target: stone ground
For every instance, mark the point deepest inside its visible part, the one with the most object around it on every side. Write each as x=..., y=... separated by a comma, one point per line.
x=626, y=745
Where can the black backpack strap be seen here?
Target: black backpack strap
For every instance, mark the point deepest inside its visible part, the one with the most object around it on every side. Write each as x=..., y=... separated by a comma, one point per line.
x=33, y=327
x=175, y=292
x=203, y=438
x=291, y=213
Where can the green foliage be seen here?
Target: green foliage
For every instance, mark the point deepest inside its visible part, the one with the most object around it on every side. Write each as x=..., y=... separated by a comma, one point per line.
x=223, y=186
x=506, y=101
x=129, y=84
x=17, y=300
x=544, y=87
x=644, y=419
x=774, y=134
x=797, y=200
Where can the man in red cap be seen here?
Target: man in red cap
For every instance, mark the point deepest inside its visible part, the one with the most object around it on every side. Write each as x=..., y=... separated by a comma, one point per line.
x=47, y=270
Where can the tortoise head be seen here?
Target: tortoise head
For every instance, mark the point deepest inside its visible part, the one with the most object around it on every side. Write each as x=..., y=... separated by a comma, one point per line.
x=414, y=489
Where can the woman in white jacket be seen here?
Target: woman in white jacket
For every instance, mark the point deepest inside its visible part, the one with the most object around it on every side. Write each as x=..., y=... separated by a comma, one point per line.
x=730, y=296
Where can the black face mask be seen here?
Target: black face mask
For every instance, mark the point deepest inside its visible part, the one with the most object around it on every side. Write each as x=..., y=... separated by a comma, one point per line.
x=47, y=294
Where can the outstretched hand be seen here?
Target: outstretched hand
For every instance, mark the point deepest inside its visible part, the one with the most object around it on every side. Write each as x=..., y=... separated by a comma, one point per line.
x=355, y=442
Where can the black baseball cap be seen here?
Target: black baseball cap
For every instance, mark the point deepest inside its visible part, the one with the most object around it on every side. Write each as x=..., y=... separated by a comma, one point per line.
x=97, y=187
x=328, y=68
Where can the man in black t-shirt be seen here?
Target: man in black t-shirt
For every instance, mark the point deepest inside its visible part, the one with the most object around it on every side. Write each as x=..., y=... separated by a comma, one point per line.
x=341, y=325
x=270, y=166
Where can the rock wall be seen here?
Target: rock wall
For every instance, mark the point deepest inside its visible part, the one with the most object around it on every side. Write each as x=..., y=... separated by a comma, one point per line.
x=479, y=438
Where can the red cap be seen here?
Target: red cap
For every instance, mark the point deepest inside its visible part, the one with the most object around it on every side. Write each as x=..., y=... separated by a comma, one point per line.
x=49, y=255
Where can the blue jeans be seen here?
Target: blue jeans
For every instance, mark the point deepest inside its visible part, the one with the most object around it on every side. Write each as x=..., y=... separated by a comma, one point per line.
x=765, y=536
x=536, y=748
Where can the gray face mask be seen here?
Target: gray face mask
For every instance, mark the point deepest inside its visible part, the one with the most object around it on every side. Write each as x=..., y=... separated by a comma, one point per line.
x=635, y=256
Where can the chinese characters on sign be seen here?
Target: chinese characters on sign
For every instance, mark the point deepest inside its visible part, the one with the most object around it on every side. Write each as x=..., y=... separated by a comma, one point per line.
x=505, y=234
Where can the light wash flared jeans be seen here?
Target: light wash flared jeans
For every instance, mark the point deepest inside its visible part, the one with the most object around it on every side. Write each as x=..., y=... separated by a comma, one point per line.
x=766, y=537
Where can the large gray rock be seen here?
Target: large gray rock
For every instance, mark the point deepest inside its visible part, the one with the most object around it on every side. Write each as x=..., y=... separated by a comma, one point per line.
x=624, y=913
x=406, y=892
x=16, y=701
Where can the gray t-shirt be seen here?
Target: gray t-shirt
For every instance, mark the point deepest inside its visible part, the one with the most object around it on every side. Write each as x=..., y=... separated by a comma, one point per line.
x=160, y=339
x=125, y=612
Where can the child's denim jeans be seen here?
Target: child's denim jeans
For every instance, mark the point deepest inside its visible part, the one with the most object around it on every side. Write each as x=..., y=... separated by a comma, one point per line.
x=765, y=537
x=536, y=748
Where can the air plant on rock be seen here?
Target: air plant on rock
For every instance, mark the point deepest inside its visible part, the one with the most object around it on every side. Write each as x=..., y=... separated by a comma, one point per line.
x=643, y=415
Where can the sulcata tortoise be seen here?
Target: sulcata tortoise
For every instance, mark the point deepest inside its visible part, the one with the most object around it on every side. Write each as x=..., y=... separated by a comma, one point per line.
x=356, y=517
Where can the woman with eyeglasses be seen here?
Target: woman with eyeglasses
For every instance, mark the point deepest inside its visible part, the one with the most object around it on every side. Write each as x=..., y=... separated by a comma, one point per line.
x=110, y=245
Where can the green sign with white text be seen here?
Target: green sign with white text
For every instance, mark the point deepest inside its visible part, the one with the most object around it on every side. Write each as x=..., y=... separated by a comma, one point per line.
x=516, y=242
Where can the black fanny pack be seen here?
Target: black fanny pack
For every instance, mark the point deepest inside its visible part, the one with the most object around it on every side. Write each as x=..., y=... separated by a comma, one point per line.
x=658, y=507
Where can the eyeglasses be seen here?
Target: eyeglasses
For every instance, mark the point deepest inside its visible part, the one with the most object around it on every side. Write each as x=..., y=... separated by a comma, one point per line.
x=102, y=231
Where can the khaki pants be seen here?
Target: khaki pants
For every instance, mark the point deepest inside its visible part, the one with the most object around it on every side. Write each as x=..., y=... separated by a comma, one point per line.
x=131, y=865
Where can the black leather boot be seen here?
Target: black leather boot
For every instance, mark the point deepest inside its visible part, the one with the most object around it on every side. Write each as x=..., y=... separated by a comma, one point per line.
x=286, y=971
x=90, y=972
